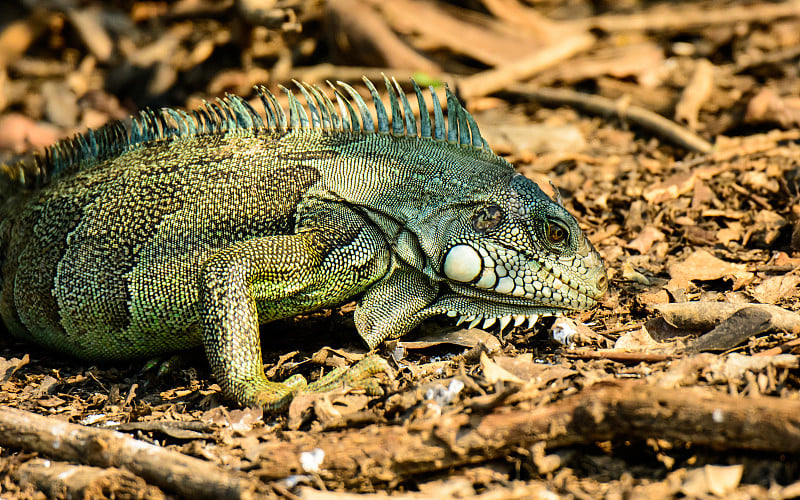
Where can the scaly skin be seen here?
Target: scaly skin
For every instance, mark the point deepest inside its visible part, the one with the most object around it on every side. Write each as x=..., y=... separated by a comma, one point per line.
x=197, y=234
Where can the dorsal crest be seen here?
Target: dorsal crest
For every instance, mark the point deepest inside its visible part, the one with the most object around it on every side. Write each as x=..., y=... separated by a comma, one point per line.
x=233, y=114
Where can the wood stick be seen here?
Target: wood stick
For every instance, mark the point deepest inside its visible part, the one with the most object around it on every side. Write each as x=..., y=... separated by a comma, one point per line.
x=628, y=410
x=684, y=17
x=492, y=80
x=669, y=130
x=65, y=480
x=170, y=470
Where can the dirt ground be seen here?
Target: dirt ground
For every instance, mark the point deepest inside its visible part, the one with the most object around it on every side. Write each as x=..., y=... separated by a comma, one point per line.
x=671, y=130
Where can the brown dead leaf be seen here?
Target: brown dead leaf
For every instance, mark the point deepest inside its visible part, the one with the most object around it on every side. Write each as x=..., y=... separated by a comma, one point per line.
x=718, y=480
x=678, y=184
x=637, y=340
x=703, y=266
x=759, y=181
x=731, y=233
x=768, y=107
x=332, y=408
x=731, y=368
x=493, y=372
x=645, y=240
x=535, y=138
x=671, y=188
x=773, y=289
x=9, y=366
x=657, y=297
x=695, y=94
x=471, y=337
x=527, y=369
x=19, y=133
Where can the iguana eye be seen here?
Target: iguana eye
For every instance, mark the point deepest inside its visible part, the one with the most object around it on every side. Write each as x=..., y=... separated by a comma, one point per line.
x=486, y=218
x=556, y=234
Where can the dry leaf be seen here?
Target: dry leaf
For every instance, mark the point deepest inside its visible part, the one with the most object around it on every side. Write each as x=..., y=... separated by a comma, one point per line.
x=527, y=369
x=535, y=138
x=731, y=368
x=471, y=337
x=769, y=107
x=703, y=266
x=729, y=234
x=493, y=372
x=637, y=340
x=645, y=240
x=19, y=133
x=678, y=184
x=771, y=290
x=9, y=366
x=721, y=479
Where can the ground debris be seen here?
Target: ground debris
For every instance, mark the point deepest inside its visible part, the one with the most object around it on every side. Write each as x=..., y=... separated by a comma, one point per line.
x=671, y=133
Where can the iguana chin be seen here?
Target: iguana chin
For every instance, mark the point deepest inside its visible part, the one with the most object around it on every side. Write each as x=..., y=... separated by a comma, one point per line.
x=179, y=229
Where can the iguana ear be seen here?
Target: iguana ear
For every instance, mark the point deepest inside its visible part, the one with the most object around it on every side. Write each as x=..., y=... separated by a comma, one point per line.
x=389, y=308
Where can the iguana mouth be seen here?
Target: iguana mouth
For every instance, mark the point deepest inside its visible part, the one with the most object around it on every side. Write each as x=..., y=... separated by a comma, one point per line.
x=474, y=309
x=488, y=322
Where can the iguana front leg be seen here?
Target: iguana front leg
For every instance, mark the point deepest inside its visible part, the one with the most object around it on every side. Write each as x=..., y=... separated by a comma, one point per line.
x=273, y=277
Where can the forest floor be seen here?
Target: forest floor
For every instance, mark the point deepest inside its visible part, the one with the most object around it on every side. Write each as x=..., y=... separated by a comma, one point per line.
x=671, y=130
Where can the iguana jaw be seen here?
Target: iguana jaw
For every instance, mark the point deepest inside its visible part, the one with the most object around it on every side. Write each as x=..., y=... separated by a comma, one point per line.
x=476, y=310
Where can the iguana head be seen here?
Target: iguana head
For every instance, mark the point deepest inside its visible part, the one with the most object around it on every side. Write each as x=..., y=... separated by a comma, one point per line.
x=516, y=254
x=468, y=236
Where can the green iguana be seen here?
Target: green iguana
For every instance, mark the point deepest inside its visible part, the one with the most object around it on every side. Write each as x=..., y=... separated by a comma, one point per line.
x=179, y=229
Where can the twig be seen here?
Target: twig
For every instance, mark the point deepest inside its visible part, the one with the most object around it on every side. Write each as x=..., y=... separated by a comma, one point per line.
x=170, y=470
x=675, y=17
x=500, y=78
x=619, y=356
x=780, y=349
x=630, y=410
x=681, y=136
x=620, y=329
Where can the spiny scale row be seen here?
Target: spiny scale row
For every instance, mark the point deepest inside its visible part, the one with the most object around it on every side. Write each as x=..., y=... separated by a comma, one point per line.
x=233, y=113
x=460, y=127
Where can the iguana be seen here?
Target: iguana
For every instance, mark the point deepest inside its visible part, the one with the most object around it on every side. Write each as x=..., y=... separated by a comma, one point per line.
x=177, y=229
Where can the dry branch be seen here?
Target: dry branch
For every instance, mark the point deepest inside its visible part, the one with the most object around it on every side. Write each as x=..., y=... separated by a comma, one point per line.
x=627, y=410
x=64, y=480
x=170, y=470
x=500, y=78
x=665, y=128
x=683, y=17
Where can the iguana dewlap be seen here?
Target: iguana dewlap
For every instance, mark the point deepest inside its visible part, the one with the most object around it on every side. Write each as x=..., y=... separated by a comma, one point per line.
x=180, y=229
